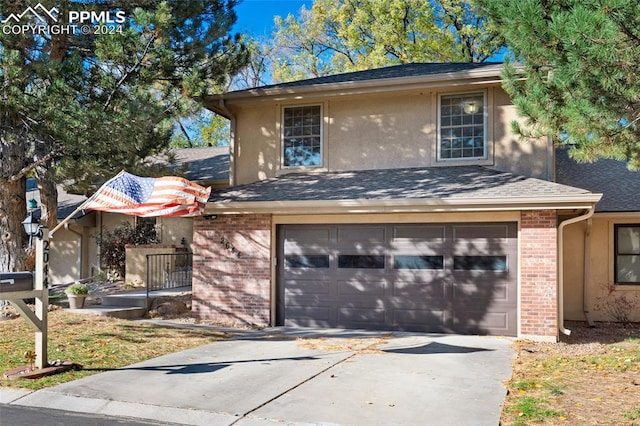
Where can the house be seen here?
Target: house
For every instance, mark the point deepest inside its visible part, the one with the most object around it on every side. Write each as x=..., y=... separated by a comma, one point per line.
x=602, y=254
x=395, y=198
x=74, y=251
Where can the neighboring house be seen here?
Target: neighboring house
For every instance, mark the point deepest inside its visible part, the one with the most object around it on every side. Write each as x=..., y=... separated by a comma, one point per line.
x=74, y=251
x=395, y=198
x=602, y=254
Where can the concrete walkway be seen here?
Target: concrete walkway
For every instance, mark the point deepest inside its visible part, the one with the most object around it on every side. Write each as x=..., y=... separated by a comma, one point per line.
x=302, y=376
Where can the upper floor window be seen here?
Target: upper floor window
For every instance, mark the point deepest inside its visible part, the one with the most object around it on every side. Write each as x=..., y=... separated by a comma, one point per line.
x=627, y=256
x=462, y=127
x=301, y=136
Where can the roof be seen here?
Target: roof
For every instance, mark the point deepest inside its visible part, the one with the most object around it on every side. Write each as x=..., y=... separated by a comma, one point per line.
x=397, y=77
x=204, y=164
x=395, y=71
x=620, y=186
x=452, y=184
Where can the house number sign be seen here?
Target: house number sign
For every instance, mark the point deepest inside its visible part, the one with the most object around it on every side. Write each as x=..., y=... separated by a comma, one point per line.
x=229, y=247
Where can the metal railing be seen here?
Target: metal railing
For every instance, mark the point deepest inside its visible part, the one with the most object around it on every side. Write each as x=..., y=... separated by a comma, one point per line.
x=169, y=270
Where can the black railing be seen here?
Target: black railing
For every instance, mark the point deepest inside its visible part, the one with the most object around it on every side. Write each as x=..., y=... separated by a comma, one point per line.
x=168, y=270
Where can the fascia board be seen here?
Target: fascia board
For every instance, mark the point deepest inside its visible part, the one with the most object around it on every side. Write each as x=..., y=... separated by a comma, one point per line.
x=487, y=75
x=579, y=201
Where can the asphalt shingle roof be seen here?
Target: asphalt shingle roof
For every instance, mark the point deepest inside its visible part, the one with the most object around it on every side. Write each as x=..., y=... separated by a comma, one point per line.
x=389, y=184
x=620, y=186
x=204, y=164
x=396, y=71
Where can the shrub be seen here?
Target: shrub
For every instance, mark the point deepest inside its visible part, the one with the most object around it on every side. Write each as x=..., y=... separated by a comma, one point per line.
x=77, y=289
x=112, y=244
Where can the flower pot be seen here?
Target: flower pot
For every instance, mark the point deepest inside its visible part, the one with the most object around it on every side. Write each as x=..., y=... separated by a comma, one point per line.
x=76, y=301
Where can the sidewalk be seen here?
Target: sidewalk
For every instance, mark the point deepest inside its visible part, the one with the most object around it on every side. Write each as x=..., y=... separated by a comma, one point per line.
x=300, y=376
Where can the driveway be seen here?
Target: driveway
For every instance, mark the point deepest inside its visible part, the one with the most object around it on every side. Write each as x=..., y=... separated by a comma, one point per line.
x=302, y=376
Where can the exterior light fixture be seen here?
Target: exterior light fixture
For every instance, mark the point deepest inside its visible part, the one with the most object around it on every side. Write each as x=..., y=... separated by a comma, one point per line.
x=31, y=226
x=33, y=204
x=471, y=107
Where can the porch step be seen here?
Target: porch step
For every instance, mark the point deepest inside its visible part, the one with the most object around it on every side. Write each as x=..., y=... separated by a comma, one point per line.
x=124, y=299
x=121, y=312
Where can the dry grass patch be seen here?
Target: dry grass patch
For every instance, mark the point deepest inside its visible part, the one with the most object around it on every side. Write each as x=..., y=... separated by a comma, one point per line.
x=96, y=343
x=336, y=344
x=590, y=378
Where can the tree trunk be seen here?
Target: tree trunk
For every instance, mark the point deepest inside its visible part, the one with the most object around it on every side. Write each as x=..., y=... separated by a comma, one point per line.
x=47, y=187
x=13, y=208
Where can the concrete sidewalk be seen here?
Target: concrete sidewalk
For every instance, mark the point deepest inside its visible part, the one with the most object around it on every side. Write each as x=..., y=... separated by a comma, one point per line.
x=302, y=376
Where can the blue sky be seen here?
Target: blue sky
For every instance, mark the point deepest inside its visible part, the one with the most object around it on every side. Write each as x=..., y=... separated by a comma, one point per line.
x=255, y=17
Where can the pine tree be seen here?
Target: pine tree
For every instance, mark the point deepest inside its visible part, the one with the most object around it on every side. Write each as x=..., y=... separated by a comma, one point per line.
x=578, y=81
x=78, y=107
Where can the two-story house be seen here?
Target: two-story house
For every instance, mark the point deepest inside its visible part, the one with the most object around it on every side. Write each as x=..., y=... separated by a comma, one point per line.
x=395, y=198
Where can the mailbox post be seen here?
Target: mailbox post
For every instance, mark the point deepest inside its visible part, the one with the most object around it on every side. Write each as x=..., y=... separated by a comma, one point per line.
x=16, y=287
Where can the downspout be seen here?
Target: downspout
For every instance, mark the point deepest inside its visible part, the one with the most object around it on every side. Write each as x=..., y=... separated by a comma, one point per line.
x=79, y=260
x=564, y=223
x=232, y=142
x=587, y=273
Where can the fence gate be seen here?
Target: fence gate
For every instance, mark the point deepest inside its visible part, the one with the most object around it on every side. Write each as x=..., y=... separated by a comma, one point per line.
x=169, y=270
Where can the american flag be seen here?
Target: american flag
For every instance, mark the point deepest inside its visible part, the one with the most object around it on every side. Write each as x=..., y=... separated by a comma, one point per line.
x=143, y=196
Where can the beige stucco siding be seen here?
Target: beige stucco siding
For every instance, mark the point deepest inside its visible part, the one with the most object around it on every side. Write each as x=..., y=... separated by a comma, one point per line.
x=256, y=143
x=602, y=293
x=380, y=132
x=383, y=130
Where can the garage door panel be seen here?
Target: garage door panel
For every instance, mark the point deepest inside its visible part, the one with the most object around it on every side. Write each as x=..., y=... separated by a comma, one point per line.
x=482, y=232
x=307, y=287
x=361, y=317
x=355, y=287
x=361, y=234
x=419, y=317
x=306, y=313
x=430, y=289
x=418, y=233
x=482, y=321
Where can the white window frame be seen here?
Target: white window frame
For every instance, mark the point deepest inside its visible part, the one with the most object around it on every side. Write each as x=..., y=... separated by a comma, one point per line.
x=282, y=137
x=485, y=150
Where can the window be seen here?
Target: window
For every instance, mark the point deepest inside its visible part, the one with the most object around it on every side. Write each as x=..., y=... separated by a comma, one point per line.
x=480, y=263
x=361, y=262
x=307, y=261
x=418, y=262
x=462, y=127
x=301, y=136
x=627, y=257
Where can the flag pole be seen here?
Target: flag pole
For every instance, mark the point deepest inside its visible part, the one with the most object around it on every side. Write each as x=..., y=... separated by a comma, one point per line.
x=81, y=206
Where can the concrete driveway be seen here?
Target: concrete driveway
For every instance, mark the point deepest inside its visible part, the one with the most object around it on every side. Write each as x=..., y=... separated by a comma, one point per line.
x=302, y=376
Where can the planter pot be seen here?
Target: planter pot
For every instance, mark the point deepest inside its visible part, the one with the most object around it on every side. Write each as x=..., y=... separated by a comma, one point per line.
x=76, y=301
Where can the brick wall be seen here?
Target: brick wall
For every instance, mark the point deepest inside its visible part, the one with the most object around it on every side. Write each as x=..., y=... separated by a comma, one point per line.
x=538, y=267
x=232, y=269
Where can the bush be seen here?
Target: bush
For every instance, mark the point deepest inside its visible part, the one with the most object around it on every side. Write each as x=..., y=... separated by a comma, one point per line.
x=112, y=244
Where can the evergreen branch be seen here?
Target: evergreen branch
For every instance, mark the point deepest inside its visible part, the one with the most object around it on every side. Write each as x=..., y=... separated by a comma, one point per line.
x=129, y=72
x=26, y=169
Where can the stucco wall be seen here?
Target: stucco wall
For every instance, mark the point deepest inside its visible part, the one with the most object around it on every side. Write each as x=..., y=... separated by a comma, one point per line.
x=387, y=130
x=603, y=296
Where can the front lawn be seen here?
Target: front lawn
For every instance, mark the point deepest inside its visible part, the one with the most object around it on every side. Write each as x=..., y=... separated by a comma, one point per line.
x=97, y=343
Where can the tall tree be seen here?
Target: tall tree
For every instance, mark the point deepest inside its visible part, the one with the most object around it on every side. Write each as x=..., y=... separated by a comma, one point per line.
x=79, y=101
x=349, y=35
x=578, y=81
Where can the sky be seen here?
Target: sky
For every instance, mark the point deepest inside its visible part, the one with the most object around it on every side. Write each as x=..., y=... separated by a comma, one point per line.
x=255, y=17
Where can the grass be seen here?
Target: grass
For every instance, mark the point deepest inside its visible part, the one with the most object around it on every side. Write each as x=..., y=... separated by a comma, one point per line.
x=557, y=384
x=96, y=343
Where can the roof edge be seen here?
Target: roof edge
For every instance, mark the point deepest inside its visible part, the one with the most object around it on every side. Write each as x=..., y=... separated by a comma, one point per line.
x=552, y=202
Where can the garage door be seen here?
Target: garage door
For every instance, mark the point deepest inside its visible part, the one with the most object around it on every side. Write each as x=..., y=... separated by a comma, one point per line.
x=457, y=277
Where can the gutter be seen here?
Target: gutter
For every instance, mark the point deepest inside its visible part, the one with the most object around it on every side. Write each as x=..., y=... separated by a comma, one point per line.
x=422, y=205
x=560, y=288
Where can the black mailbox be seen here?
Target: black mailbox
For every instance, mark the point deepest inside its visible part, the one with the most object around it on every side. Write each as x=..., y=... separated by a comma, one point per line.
x=16, y=281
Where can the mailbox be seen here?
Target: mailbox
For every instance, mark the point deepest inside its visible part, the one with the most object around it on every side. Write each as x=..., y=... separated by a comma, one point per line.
x=15, y=281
